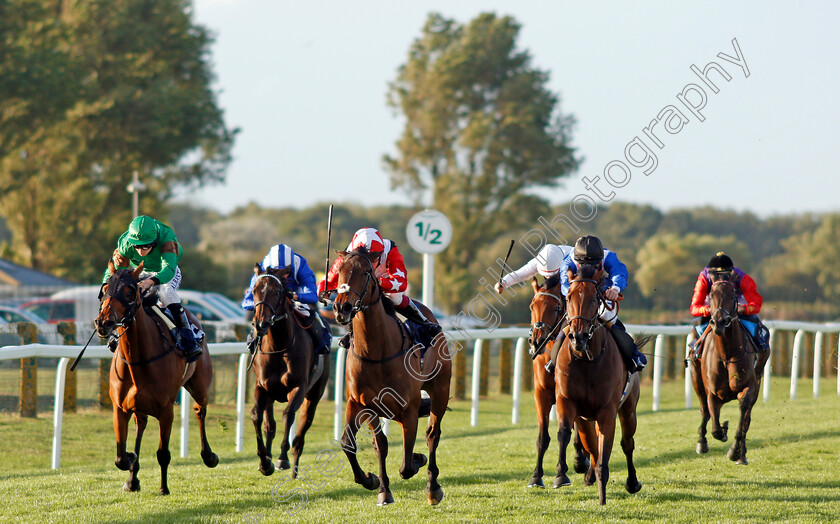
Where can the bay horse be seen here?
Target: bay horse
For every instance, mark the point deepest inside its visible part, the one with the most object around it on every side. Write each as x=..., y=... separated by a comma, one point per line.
x=147, y=373
x=384, y=377
x=547, y=314
x=286, y=369
x=593, y=386
x=726, y=370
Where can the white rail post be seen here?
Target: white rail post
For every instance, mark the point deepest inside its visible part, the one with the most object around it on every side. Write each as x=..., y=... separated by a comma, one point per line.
x=339, y=392
x=241, y=385
x=818, y=343
x=58, y=411
x=688, y=385
x=185, y=423
x=768, y=367
x=838, y=365
x=476, y=379
x=794, y=362
x=518, y=356
x=658, y=368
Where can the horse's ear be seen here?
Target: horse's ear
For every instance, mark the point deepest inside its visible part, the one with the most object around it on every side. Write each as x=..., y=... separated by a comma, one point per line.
x=374, y=256
x=111, y=267
x=342, y=254
x=283, y=272
x=136, y=272
x=535, y=285
x=599, y=274
x=257, y=268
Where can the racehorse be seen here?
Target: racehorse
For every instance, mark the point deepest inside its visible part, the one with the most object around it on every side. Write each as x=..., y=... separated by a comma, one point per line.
x=286, y=369
x=726, y=370
x=593, y=386
x=147, y=373
x=547, y=313
x=384, y=377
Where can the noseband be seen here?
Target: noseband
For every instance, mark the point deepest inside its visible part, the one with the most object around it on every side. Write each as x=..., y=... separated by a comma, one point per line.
x=594, y=323
x=278, y=292
x=359, y=305
x=542, y=325
x=727, y=316
x=115, y=292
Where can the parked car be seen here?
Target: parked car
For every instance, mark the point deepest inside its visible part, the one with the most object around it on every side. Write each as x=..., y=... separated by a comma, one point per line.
x=13, y=314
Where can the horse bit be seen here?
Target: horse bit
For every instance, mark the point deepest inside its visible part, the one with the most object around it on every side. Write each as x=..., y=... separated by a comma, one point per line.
x=274, y=316
x=542, y=325
x=345, y=288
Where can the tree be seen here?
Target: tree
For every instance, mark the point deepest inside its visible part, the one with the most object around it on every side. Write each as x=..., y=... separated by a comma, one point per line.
x=669, y=265
x=125, y=86
x=481, y=128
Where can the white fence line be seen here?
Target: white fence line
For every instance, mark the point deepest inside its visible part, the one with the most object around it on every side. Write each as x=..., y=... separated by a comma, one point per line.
x=64, y=353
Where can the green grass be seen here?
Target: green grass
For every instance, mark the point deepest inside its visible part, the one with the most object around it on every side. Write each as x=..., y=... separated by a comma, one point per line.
x=793, y=475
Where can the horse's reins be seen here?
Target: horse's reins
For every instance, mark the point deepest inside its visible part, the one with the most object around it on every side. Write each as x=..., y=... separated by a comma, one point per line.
x=594, y=322
x=729, y=319
x=540, y=325
x=274, y=316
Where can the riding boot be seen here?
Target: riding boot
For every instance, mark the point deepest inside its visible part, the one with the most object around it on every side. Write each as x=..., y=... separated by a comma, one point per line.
x=252, y=342
x=413, y=313
x=317, y=334
x=183, y=328
x=627, y=346
x=555, y=349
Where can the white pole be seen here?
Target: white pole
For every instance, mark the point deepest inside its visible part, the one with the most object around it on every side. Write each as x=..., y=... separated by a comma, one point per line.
x=476, y=378
x=658, y=368
x=339, y=392
x=688, y=386
x=767, y=368
x=794, y=362
x=518, y=355
x=838, y=366
x=185, y=422
x=818, y=343
x=241, y=384
x=386, y=427
x=428, y=280
x=58, y=411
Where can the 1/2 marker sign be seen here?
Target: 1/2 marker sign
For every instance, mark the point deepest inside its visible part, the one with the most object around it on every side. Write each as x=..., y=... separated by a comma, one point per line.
x=429, y=231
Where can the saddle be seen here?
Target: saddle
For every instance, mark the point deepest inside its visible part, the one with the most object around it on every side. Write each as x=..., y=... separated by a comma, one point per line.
x=198, y=334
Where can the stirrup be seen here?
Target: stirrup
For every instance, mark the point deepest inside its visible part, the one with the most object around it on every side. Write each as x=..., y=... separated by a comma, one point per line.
x=345, y=341
x=549, y=366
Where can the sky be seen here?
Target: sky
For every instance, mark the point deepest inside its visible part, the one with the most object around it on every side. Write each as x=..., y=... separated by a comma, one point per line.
x=306, y=83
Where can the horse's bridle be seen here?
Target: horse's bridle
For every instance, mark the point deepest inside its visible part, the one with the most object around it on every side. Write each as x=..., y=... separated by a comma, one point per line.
x=279, y=293
x=728, y=317
x=594, y=321
x=115, y=293
x=542, y=325
x=359, y=305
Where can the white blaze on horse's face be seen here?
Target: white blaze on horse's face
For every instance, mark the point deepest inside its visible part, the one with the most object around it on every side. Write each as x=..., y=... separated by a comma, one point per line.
x=343, y=288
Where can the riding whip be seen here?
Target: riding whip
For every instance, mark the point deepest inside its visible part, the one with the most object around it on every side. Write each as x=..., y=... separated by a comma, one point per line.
x=329, y=236
x=502, y=271
x=76, y=362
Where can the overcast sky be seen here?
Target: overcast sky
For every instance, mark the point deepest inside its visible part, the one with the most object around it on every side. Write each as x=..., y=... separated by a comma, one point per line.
x=306, y=83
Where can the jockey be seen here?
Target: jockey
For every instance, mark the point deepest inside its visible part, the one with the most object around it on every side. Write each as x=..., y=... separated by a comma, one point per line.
x=391, y=272
x=155, y=245
x=720, y=267
x=301, y=284
x=547, y=263
x=588, y=250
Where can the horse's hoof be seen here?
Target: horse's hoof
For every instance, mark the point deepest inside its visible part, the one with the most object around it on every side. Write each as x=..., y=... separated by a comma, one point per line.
x=702, y=447
x=371, y=482
x=164, y=491
x=211, y=460
x=581, y=466
x=283, y=464
x=420, y=460
x=742, y=462
x=384, y=498
x=632, y=486
x=126, y=462
x=266, y=467
x=131, y=486
x=536, y=482
x=560, y=481
x=434, y=497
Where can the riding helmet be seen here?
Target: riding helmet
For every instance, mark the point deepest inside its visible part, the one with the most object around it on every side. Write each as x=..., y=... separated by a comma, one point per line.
x=720, y=262
x=588, y=250
x=142, y=230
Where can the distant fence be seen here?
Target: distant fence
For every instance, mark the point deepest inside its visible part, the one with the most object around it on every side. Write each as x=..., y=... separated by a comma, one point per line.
x=789, y=341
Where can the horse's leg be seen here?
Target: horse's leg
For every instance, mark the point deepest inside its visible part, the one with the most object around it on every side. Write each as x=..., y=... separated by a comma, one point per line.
x=295, y=400
x=166, y=416
x=606, y=436
x=307, y=414
x=261, y=399
x=627, y=416
x=719, y=431
x=133, y=483
x=700, y=389
x=565, y=419
x=412, y=462
x=124, y=460
x=587, y=433
x=380, y=446
x=348, y=444
x=211, y=460
x=198, y=387
x=738, y=451
x=439, y=393
x=544, y=399
x=582, y=464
